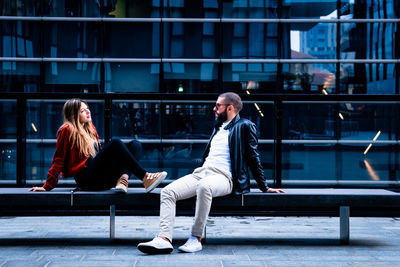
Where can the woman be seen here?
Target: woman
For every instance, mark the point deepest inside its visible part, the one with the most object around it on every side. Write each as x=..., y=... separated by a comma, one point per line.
x=79, y=154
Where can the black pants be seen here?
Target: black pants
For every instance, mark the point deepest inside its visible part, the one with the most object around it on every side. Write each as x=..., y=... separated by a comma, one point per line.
x=115, y=159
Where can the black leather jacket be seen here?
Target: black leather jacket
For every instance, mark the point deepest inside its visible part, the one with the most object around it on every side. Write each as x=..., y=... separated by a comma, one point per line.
x=243, y=144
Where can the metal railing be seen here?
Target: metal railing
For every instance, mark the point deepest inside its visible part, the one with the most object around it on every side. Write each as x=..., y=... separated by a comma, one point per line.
x=276, y=100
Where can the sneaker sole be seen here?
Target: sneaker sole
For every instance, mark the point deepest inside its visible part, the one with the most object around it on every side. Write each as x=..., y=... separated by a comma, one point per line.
x=187, y=251
x=157, y=182
x=121, y=189
x=153, y=250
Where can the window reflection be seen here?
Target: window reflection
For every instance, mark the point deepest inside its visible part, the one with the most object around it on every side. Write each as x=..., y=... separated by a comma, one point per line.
x=133, y=8
x=72, y=39
x=190, y=77
x=19, y=39
x=132, y=119
x=258, y=77
x=76, y=8
x=191, y=9
x=250, y=9
x=190, y=40
x=376, y=78
x=252, y=40
x=132, y=77
x=132, y=40
x=72, y=77
x=308, y=77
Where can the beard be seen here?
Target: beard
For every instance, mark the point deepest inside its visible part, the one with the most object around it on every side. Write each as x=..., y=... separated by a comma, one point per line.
x=223, y=116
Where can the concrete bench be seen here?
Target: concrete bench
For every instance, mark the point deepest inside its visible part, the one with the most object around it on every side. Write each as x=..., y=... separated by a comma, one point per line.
x=296, y=202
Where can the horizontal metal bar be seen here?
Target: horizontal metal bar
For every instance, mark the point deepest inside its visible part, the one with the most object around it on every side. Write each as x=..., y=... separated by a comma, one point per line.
x=8, y=141
x=287, y=98
x=202, y=141
x=198, y=60
x=184, y=20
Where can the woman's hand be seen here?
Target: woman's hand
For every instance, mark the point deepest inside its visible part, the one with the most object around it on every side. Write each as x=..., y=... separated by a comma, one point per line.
x=37, y=189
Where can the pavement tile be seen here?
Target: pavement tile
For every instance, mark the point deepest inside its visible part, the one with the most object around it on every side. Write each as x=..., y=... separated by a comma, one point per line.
x=231, y=241
x=243, y=263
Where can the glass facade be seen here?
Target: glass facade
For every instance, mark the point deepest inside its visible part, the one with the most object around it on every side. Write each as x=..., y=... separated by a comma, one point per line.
x=189, y=51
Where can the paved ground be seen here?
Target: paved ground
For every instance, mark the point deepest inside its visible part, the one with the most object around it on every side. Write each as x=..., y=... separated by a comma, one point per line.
x=231, y=241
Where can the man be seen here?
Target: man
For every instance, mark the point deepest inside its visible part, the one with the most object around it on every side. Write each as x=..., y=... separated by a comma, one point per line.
x=231, y=151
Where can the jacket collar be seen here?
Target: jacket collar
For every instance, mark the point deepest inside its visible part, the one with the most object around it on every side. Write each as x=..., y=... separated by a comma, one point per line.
x=230, y=125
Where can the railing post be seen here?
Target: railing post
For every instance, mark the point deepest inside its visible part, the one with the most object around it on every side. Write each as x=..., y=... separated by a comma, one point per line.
x=278, y=143
x=21, y=141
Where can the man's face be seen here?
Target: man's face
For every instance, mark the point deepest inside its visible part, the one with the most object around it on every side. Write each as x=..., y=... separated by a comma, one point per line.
x=220, y=108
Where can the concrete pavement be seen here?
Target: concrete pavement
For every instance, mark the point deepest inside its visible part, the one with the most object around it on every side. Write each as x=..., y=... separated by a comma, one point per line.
x=231, y=241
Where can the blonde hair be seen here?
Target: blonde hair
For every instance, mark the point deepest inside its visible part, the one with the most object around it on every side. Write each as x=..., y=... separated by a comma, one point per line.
x=81, y=135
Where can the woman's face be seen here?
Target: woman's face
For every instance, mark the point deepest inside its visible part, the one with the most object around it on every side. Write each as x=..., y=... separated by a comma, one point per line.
x=84, y=114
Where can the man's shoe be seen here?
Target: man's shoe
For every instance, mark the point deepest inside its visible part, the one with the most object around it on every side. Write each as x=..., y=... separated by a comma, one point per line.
x=156, y=246
x=191, y=245
x=122, y=185
x=152, y=180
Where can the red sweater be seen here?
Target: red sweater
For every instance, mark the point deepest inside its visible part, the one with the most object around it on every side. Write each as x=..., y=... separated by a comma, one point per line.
x=67, y=160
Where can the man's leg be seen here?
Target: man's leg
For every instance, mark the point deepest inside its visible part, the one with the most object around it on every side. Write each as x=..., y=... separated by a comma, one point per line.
x=215, y=184
x=182, y=188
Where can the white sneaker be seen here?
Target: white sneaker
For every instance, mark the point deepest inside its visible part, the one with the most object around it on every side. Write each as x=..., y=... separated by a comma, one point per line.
x=191, y=245
x=156, y=246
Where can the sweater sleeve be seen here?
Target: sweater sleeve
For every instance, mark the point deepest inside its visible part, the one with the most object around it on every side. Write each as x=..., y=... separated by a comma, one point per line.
x=59, y=158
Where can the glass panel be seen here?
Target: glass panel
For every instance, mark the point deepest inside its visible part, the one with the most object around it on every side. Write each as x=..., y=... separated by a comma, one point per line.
x=137, y=40
x=20, y=39
x=72, y=39
x=362, y=78
x=66, y=8
x=332, y=165
x=8, y=141
x=133, y=9
x=378, y=9
x=72, y=77
x=20, y=8
x=259, y=77
x=309, y=78
x=308, y=162
x=43, y=118
x=132, y=77
x=312, y=41
x=310, y=9
x=190, y=9
x=368, y=41
x=190, y=77
x=136, y=119
x=19, y=76
x=251, y=40
x=191, y=40
x=181, y=120
x=357, y=162
x=307, y=121
x=250, y=9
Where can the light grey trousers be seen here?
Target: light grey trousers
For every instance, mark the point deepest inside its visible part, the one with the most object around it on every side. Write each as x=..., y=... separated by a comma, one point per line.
x=204, y=183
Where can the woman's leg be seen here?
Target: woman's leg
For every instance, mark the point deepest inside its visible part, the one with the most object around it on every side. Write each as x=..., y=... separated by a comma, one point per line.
x=105, y=169
x=135, y=147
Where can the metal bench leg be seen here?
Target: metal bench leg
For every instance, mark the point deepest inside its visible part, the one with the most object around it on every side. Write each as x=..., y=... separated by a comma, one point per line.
x=112, y=222
x=344, y=224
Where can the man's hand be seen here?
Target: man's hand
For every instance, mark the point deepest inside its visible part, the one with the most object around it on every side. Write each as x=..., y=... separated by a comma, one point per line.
x=37, y=189
x=275, y=190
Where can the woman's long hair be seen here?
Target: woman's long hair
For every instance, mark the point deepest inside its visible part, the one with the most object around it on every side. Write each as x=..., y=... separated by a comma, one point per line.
x=83, y=135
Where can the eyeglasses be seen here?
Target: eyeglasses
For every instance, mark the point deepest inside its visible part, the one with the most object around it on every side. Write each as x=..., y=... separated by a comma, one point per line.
x=217, y=105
